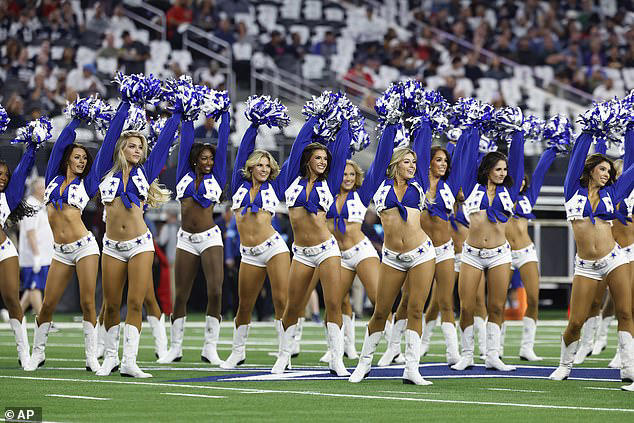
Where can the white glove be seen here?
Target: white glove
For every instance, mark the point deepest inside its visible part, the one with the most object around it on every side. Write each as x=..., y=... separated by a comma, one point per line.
x=37, y=266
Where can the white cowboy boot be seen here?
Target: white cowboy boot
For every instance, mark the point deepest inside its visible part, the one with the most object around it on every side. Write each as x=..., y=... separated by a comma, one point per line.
x=238, y=347
x=387, y=332
x=602, y=335
x=101, y=339
x=468, y=345
x=283, y=361
x=393, y=352
x=493, y=360
x=502, y=338
x=451, y=341
x=335, y=335
x=411, y=374
x=177, y=333
x=327, y=357
x=21, y=340
x=212, y=333
x=626, y=346
x=586, y=344
x=349, y=337
x=38, y=357
x=615, y=363
x=279, y=330
x=480, y=327
x=566, y=359
x=129, y=368
x=90, y=341
x=159, y=334
x=111, y=354
x=528, y=341
x=428, y=329
x=298, y=337
x=367, y=353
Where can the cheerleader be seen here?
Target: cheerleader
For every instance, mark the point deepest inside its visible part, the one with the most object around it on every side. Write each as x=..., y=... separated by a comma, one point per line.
x=523, y=253
x=201, y=174
x=129, y=181
x=12, y=210
x=408, y=253
x=313, y=175
x=590, y=191
x=71, y=181
x=492, y=191
x=257, y=184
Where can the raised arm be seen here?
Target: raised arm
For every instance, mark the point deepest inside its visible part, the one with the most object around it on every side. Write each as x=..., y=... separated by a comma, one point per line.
x=575, y=164
x=625, y=183
x=469, y=160
x=185, y=146
x=304, y=138
x=157, y=158
x=516, y=163
x=601, y=147
x=422, y=148
x=376, y=172
x=339, y=156
x=220, y=158
x=454, y=178
x=104, y=160
x=247, y=145
x=628, y=158
x=15, y=189
x=537, y=180
x=66, y=138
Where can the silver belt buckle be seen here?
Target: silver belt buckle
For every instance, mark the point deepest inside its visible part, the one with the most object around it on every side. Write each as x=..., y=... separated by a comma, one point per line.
x=599, y=264
x=404, y=257
x=122, y=247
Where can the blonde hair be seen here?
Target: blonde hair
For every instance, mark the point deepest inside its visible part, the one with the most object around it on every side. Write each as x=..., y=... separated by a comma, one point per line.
x=358, y=179
x=397, y=156
x=254, y=159
x=157, y=194
x=618, y=166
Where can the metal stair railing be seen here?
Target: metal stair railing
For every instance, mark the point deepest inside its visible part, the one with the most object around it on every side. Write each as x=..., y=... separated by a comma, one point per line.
x=160, y=27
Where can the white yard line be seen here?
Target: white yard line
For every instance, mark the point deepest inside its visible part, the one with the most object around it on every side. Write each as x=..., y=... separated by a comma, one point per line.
x=333, y=395
x=515, y=390
x=603, y=389
x=77, y=397
x=178, y=394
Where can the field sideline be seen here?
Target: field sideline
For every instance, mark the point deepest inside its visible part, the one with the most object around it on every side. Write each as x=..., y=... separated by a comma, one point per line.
x=192, y=390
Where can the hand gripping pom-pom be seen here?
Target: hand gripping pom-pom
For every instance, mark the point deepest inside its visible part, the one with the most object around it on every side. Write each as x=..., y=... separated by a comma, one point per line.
x=4, y=120
x=91, y=110
x=137, y=119
x=558, y=133
x=35, y=132
x=139, y=89
x=261, y=110
x=487, y=145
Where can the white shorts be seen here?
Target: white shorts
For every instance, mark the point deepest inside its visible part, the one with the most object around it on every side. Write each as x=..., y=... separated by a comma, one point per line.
x=629, y=252
x=70, y=254
x=526, y=255
x=261, y=254
x=351, y=258
x=405, y=261
x=315, y=255
x=197, y=243
x=445, y=251
x=457, y=259
x=486, y=258
x=599, y=269
x=7, y=250
x=125, y=250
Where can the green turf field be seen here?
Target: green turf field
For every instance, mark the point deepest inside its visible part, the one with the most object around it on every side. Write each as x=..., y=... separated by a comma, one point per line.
x=67, y=393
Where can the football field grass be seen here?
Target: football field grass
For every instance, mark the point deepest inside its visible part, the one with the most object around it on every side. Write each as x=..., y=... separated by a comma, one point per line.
x=192, y=390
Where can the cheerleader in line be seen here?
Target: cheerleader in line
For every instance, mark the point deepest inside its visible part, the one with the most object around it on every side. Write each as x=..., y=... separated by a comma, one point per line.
x=257, y=184
x=12, y=210
x=590, y=191
x=313, y=175
x=492, y=192
x=201, y=174
x=408, y=253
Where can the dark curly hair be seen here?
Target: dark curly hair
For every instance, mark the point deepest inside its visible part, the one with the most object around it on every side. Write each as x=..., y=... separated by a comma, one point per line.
x=488, y=163
x=23, y=208
x=63, y=166
x=307, y=154
x=527, y=182
x=435, y=149
x=593, y=161
x=197, y=149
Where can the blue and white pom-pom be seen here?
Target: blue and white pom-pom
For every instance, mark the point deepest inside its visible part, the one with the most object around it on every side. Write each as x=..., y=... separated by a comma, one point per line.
x=156, y=127
x=453, y=134
x=604, y=120
x=35, y=132
x=487, y=144
x=4, y=120
x=432, y=108
x=91, y=110
x=138, y=88
x=183, y=97
x=214, y=103
x=470, y=112
x=402, y=136
x=137, y=119
x=389, y=106
x=356, y=121
x=508, y=120
x=627, y=106
x=558, y=133
x=533, y=128
x=329, y=109
x=261, y=110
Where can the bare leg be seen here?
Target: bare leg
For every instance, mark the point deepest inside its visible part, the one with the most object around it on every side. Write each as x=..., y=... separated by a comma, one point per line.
x=114, y=274
x=391, y=282
x=368, y=272
x=213, y=266
x=186, y=268
x=583, y=291
x=139, y=276
x=277, y=269
x=419, y=281
x=300, y=277
x=530, y=278
x=468, y=287
x=498, y=284
x=10, y=287
x=59, y=275
x=444, y=289
x=250, y=281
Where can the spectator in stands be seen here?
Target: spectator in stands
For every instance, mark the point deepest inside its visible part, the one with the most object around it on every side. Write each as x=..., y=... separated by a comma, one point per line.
x=455, y=68
x=119, y=22
x=22, y=68
x=133, y=54
x=358, y=76
x=206, y=15
x=369, y=28
x=206, y=132
x=84, y=81
x=70, y=19
x=606, y=91
x=43, y=56
x=67, y=61
x=496, y=70
x=327, y=47
x=297, y=49
x=276, y=48
x=242, y=52
x=212, y=76
x=225, y=31
x=25, y=28
x=108, y=51
x=472, y=68
x=5, y=24
x=48, y=6
x=231, y=7
x=96, y=26
x=39, y=94
x=449, y=89
x=15, y=110
x=56, y=30
x=180, y=13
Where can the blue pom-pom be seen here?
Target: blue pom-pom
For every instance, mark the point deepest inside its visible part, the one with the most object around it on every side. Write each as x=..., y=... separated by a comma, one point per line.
x=261, y=110
x=487, y=144
x=183, y=96
x=4, y=120
x=91, y=110
x=389, y=105
x=402, y=136
x=214, y=103
x=137, y=119
x=329, y=108
x=533, y=128
x=627, y=106
x=508, y=120
x=138, y=88
x=558, y=133
x=35, y=132
x=605, y=120
x=156, y=127
x=454, y=133
x=470, y=112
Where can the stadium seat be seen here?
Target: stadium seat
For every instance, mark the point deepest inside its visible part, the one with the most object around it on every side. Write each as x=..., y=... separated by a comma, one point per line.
x=183, y=57
x=85, y=56
x=628, y=78
x=465, y=86
x=313, y=66
x=334, y=12
x=302, y=30
x=433, y=82
x=109, y=65
x=511, y=91
x=487, y=89
x=291, y=9
x=312, y=10
x=267, y=15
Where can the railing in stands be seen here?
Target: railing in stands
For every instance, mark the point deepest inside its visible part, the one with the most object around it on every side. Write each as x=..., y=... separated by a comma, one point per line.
x=157, y=14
